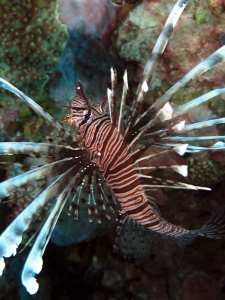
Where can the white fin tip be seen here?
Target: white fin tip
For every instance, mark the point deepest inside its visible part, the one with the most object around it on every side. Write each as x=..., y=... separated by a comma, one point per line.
x=218, y=145
x=2, y=265
x=109, y=93
x=125, y=80
x=112, y=75
x=203, y=188
x=183, y=170
x=31, y=285
x=165, y=113
x=179, y=127
x=181, y=149
x=145, y=87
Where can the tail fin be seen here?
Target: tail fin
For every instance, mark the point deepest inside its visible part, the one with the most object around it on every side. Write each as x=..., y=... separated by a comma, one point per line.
x=215, y=226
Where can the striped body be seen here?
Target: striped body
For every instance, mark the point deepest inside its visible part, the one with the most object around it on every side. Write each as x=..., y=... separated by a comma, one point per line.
x=108, y=150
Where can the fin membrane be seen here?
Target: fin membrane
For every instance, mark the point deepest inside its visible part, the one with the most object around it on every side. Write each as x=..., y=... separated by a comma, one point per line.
x=134, y=240
x=215, y=226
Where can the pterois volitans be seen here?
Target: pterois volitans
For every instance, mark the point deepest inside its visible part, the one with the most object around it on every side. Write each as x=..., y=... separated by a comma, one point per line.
x=110, y=163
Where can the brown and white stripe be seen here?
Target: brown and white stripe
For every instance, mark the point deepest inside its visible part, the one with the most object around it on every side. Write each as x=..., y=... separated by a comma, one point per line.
x=117, y=163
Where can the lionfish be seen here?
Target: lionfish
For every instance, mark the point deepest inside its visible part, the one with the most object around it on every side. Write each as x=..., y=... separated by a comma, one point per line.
x=109, y=163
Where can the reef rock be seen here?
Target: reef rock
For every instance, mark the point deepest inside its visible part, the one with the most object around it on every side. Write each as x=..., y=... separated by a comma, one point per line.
x=197, y=35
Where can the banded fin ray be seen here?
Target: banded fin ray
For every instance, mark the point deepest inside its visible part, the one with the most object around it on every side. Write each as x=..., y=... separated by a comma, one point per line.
x=190, y=138
x=63, y=134
x=197, y=101
x=181, y=169
x=123, y=102
x=203, y=124
x=89, y=181
x=217, y=57
x=192, y=149
x=153, y=182
x=34, y=261
x=164, y=138
x=43, y=172
x=153, y=62
x=182, y=110
x=40, y=150
x=12, y=236
x=92, y=191
x=113, y=96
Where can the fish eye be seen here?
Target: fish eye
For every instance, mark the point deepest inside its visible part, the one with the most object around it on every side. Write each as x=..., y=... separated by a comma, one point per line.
x=87, y=117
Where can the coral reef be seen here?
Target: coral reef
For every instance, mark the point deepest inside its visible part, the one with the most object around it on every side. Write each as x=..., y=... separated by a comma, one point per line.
x=204, y=172
x=32, y=40
x=135, y=37
x=8, y=123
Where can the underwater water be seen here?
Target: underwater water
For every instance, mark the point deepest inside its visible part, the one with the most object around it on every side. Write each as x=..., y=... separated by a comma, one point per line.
x=46, y=47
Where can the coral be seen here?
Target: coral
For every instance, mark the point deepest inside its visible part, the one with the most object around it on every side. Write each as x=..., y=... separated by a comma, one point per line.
x=204, y=172
x=32, y=40
x=32, y=127
x=8, y=120
x=134, y=40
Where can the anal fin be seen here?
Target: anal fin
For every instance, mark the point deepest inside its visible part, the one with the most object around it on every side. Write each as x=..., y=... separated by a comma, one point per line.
x=134, y=240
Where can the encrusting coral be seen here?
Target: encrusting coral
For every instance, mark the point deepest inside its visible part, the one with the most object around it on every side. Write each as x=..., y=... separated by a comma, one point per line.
x=32, y=41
